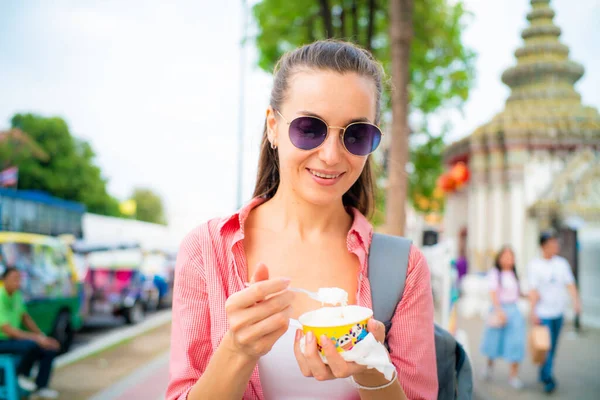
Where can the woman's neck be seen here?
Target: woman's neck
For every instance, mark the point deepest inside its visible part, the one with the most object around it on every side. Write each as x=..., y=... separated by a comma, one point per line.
x=288, y=212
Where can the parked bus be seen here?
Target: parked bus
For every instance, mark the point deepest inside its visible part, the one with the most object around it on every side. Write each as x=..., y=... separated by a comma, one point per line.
x=34, y=211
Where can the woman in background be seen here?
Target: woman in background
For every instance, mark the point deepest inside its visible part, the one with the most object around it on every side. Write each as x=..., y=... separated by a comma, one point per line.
x=504, y=336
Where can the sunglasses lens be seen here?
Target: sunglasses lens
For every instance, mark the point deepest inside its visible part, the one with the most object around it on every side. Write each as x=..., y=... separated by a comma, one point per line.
x=362, y=139
x=307, y=133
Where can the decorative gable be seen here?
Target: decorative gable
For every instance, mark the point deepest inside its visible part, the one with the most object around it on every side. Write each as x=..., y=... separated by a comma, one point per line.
x=575, y=191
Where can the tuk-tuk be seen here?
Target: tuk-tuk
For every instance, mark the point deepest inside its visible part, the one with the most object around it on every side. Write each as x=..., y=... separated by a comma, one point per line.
x=158, y=269
x=49, y=282
x=113, y=282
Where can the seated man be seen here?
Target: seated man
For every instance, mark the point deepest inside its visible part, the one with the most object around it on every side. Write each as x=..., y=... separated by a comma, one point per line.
x=32, y=345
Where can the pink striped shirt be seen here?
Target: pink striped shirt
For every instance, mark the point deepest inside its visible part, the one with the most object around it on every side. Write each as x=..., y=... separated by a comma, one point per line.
x=211, y=266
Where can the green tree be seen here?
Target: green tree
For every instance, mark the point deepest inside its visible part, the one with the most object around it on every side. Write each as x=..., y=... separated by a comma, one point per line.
x=441, y=69
x=69, y=171
x=149, y=206
x=427, y=162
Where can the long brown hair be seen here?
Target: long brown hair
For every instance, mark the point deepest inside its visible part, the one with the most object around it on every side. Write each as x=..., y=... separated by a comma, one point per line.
x=499, y=267
x=327, y=55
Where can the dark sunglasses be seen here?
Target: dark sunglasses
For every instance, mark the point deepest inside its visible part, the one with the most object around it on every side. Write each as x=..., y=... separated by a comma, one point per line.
x=308, y=133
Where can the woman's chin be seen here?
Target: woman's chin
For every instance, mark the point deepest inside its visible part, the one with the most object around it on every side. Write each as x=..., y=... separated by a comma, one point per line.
x=323, y=198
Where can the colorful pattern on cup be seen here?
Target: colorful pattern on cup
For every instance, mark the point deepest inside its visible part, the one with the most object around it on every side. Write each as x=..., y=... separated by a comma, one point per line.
x=344, y=337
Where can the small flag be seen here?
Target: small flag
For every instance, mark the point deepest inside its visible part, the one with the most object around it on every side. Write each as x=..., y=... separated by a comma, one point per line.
x=9, y=177
x=128, y=207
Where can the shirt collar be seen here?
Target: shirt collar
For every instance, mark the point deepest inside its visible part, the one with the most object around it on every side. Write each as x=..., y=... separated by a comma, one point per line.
x=238, y=219
x=361, y=228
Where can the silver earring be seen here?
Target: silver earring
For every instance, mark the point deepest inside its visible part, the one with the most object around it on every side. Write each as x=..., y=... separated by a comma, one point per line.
x=273, y=146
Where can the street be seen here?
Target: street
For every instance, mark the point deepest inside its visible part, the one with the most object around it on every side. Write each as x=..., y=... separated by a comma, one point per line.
x=104, y=334
x=94, y=328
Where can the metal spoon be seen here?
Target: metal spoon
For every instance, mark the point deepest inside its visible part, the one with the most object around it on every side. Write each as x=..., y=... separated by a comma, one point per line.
x=312, y=295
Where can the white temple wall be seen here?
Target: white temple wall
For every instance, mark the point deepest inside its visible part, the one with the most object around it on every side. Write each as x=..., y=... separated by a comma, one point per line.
x=457, y=212
x=479, y=238
x=530, y=245
x=472, y=226
x=589, y=273
x=517, y=224
x=497, y=217
x=507, y=212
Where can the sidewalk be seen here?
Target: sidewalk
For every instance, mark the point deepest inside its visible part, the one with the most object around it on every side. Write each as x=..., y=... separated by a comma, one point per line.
x=134, y=369
x=147, y=382
x=576, y=367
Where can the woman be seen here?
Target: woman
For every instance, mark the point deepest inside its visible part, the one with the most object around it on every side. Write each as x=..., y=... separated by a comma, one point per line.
x=305, y=227
x=504, y=336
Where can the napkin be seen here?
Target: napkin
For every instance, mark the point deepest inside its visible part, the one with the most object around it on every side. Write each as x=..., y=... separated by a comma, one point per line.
x=368, y=352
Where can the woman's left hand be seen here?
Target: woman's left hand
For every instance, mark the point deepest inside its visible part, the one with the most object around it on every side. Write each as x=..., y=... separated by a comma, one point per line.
x=311, y=364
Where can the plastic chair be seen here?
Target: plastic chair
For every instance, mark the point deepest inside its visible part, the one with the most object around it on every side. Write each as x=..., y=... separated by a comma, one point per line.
x=9, y=390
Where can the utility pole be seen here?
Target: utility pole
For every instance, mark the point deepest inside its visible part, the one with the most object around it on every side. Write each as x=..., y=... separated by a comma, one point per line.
x=241, y=113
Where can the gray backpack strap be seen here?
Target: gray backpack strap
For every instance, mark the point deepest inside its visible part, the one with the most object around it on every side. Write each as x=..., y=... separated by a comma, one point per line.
x=388, y=263
x=464, y=385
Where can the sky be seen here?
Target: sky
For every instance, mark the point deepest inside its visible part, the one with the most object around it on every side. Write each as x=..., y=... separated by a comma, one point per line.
x=154, y=86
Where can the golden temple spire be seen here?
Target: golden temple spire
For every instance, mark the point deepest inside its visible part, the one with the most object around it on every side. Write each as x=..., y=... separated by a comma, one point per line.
x=543, y=70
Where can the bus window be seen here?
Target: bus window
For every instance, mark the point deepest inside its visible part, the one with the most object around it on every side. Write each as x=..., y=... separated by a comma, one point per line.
x=41, y=276
x=7, y=211
x=64, y=281
x=52, y=272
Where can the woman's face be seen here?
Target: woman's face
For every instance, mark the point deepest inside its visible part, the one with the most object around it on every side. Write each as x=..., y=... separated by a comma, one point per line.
x=507, y=259
x=338, y=100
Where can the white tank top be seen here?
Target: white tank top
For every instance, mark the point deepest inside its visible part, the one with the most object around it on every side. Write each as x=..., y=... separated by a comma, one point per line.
x=281, y=378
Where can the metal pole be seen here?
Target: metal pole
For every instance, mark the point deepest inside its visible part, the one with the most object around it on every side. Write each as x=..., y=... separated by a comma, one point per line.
x=241, y=113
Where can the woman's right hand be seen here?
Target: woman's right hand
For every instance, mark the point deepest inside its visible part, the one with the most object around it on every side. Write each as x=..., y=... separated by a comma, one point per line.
x=259, y=314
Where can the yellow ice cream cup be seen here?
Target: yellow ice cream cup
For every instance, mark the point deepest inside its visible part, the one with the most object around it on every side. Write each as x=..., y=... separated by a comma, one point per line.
x=344, y=326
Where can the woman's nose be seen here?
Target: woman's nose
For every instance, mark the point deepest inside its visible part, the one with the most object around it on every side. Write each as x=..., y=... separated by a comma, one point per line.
x=331, y=151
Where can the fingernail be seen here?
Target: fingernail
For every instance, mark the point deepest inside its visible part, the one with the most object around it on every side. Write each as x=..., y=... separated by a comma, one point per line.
x=286, y=280
x=324, y=341
x=298, y=334
x=310, y=337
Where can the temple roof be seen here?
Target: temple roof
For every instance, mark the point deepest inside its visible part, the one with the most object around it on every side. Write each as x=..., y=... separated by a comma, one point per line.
x=543, y=102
